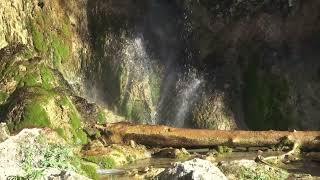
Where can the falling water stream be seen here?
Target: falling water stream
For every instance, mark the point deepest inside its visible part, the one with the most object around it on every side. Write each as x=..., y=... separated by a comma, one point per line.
x=186, y=99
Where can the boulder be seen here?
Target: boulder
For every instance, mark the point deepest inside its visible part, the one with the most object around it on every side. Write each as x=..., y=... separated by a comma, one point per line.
x=194, y=169
x=35, y=153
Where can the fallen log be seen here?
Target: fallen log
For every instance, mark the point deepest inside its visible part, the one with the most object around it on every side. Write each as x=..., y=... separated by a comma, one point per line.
x=165, y=136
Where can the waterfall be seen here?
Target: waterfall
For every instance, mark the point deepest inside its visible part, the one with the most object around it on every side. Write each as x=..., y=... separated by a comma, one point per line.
x=185, y=101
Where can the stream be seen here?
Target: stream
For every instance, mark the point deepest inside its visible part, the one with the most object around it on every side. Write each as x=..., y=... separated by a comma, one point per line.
x=121, y=173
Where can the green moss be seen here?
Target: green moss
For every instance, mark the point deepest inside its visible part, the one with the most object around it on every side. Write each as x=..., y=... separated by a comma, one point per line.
x=64, y=101
x=265, y=95
x=102, y=118
x=224, y=149
x=39, y=40
x=90, y=170
x=261, y=173
x=66, y=30
x=28, y=54
x=61, y=132
x=47, y=77
x=136, y=111
x=79, y=136
x=3, y=96
x=61, y=50
x=34, y=116
x=104, y=161
x=30, y=79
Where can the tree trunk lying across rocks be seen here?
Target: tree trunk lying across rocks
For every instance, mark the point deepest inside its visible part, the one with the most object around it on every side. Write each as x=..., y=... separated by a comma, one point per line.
x=165, y=136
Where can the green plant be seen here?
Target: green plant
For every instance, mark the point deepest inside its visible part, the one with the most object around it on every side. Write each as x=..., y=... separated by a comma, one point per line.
x=41, y=155
x=32, y=171
x=57, y=156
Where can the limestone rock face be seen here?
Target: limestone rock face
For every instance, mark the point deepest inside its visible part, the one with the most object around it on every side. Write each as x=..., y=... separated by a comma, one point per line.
x=13, y=22
x=195, y=169
x=255, y=51
x=213, y=113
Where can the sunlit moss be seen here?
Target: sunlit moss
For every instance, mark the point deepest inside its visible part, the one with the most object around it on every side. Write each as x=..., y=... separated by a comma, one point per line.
x=39, y=41
x=47, y=77
x=61, y=50
x=34, y=116
x=105, y=161
x=90, y=170
x=30, y=79
x=102, y=118
x=224, y=149
x=3, y=96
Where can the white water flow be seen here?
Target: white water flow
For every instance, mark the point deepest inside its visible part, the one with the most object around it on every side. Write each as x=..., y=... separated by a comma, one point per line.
x=186, y=99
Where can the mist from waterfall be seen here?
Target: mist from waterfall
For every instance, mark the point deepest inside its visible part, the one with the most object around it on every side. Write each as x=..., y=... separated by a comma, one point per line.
x=134, y=53
x=186, y=100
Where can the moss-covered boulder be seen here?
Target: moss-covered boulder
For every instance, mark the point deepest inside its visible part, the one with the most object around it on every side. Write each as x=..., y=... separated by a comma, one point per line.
x=115, y=155
x=248, y=169
x=34, y=95
x=36, y=107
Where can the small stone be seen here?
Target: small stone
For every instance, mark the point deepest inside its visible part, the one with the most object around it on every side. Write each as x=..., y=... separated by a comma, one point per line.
x=133, y=144
x=22, y=68
x=4, y=132
x=210, y=158
x=146, y=169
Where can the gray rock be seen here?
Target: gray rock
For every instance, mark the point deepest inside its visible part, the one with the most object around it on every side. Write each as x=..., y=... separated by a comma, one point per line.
x=194, y=169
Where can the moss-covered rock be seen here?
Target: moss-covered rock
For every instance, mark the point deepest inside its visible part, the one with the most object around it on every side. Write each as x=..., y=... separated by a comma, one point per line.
x=248, y=169
x=37, y=107
x=90, y=170
x=115, y=155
